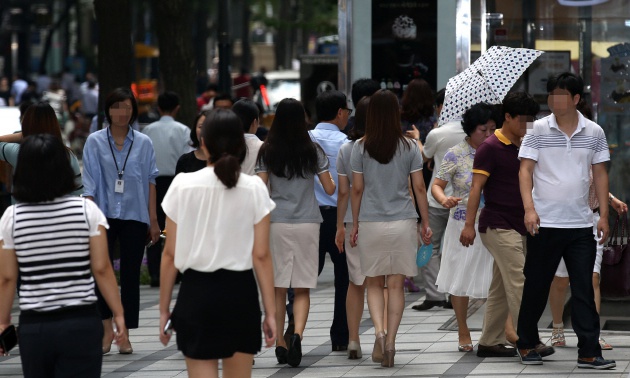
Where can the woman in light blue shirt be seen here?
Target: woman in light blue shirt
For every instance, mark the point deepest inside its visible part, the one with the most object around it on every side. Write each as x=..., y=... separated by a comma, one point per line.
x=119, y=174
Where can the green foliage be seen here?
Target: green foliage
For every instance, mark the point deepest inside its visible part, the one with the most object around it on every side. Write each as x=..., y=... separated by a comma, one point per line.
x=319, y=17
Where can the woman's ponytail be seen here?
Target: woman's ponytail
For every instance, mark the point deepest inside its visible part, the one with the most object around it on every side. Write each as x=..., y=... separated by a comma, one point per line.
x=228, y=169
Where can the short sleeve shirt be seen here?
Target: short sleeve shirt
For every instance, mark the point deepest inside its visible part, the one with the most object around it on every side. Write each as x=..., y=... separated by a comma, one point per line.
x=497, y=159
x=386, y=195
x=456, y=168
x=344, y=169
x=295, y=198
x=561, y=174
x=215, y=225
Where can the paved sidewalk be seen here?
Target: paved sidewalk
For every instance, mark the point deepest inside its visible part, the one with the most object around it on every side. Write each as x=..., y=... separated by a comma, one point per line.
x=425, y=348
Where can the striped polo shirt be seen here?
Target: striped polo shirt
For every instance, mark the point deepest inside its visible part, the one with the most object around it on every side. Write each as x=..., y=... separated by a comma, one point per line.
x=561, y=174
x=52, y=245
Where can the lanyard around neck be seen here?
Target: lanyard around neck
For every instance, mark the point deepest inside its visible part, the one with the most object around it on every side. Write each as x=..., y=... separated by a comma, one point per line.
x=121, y=172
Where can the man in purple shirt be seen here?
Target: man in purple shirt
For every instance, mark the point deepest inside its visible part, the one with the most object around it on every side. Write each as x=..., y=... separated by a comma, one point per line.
x=501, y=226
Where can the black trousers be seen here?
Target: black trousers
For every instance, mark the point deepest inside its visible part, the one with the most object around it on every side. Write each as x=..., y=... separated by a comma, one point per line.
x=154, y=253
x=339, y=330
x=578, y=248
x=131, y=236
x=68, y=347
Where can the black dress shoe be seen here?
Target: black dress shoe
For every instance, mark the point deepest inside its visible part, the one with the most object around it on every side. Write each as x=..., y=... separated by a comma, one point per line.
x=427, y=305
x=339, y=348
x=281, y=355
x=294, y=356
x=290, y=330
x=499, y=350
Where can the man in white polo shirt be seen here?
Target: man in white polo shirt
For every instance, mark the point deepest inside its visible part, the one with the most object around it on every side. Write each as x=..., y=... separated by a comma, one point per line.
x=556, y=156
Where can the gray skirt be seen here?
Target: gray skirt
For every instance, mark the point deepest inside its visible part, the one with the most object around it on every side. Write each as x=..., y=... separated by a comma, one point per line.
x=295, y=252
x=388, y=247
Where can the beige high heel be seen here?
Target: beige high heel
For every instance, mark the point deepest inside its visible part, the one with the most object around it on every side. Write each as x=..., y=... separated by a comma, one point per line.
x=379, y=347
x=388, y=356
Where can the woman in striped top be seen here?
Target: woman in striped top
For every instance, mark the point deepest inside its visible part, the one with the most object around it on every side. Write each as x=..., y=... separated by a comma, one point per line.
x=59, y=245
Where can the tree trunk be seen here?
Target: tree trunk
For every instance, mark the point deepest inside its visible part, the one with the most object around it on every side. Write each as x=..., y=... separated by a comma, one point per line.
x=282, y=41
x=115, y=58
x=177, y=64
x=246, y=58
x=54, y=28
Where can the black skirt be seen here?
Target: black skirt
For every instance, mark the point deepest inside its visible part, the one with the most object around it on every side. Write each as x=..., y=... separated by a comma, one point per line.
x=217, y=314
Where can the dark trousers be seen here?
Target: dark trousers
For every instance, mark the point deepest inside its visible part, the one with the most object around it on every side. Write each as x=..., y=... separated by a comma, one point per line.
x=327, y=230
x=62, y=348
x=154, y=253
x=544, y=251
x=131, y=236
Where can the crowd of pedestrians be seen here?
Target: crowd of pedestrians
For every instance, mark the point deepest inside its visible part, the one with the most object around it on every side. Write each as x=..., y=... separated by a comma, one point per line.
x=257, y=218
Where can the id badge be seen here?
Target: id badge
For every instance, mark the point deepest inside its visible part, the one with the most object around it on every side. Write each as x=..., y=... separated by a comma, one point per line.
x=120, y=186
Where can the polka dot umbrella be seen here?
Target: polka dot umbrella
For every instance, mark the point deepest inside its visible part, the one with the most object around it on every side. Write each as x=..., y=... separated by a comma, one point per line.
x=488, y=79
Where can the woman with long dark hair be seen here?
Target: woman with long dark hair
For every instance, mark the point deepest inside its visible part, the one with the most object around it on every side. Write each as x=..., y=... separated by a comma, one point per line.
x=218, y=229
x=58, y=244
x=197, y=159
x=288, y=161
x=417, y=108
x=38, y=118
x=383, y=215
x=119, y=174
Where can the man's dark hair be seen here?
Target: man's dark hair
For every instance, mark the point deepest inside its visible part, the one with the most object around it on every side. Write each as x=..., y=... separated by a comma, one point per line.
x=328, y=103
x=222, y=96
x=362, y=88
x=520, y=104
x=43, y=170
x=439, y=97
x=247, y=111
x=212, y=87
x=119, y=95
x=168, y=101
x=566, y=80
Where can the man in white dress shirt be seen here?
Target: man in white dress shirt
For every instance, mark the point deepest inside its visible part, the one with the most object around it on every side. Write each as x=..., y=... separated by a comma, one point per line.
x=171, y=140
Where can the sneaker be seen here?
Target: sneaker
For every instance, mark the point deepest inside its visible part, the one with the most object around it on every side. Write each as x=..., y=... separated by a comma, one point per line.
x=544, y=350
x=604, y=345
x=529, y=357
x=499, y=350
x=557, y=338
x=598, y=363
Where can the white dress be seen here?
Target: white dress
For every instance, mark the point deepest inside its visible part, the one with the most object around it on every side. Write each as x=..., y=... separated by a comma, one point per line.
x=464, y=271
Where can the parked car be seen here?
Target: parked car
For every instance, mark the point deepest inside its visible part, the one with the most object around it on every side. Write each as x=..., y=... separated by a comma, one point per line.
x=280, y=85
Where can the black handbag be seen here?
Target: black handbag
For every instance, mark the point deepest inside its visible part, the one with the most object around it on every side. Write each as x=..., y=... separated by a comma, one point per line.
x=8, y=339
x=615, y=273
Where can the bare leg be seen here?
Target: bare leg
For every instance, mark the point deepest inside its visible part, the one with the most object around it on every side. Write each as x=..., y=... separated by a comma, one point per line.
x=395, y=305
x=203, y=368
x=557, y=294
x=385, y=301
x=237, y=366
x=376, y=303
x=354, y=309
x=598, y=296
x=281, y=309
x=108, y=334
x=301, y=305
x=460, y=306
x=510, y=331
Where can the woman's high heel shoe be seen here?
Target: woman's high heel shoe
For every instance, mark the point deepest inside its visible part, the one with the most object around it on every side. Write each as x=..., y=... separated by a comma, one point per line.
x=354, y=350
x=281, y=355
x=388, y=356
x=125, y=350
x=410, y=286
x=379, y=347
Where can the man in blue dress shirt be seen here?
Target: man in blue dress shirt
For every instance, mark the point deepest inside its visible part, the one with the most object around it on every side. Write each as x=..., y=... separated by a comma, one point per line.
x=332, y=111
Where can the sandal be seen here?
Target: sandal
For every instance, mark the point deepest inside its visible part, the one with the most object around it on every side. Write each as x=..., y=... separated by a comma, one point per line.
x=557, y=337
x=465, y=348
x=604, y=345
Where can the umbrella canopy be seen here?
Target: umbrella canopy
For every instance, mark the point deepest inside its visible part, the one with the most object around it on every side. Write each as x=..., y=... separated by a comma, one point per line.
x=488, y=79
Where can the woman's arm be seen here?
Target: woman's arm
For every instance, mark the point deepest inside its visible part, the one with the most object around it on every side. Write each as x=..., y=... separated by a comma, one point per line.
x=154, y=227
x=343, y=195
x=8, y=280
x=168, y=273
x=437, y=190
x=11, y=138
x=327, y=182
x=263, y=266
x=356, y=195
x=106, y=281
x=420, y=192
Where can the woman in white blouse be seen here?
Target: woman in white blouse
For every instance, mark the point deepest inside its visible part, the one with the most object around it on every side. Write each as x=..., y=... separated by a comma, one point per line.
x=218, y=228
